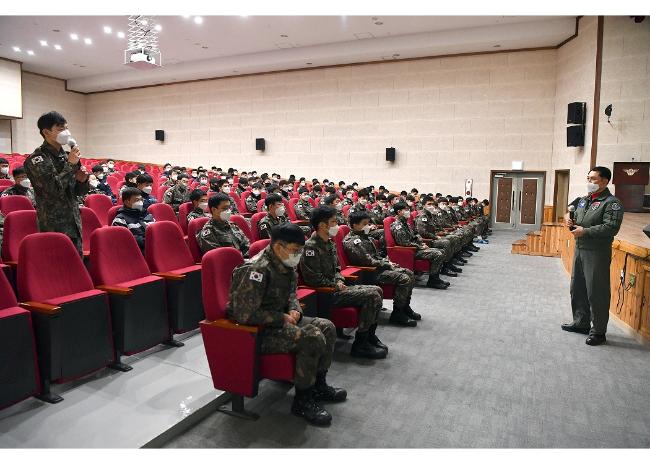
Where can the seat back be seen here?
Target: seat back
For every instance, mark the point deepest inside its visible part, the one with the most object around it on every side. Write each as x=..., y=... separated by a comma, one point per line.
x=291, y=211
x=241, y=206
x=183, y=210
x=7, y=295
x=165, y=248
x=89, y=223
x=112, y=182
x=192, y=229
x=242, y=223
x=163, y=212
x=100, y=204
x=217, y=268
x=260, y=205
x=112, y=213
x=258, y=246
x=254, y=220
x=49, y=267
x=388, y=235
x=346, y=210
x=338, y=241
x=116, y=256
x=18, y=225
x=15, y=203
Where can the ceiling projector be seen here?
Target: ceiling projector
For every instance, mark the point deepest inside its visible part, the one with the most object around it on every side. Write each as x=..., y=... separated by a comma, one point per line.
x=142, y=58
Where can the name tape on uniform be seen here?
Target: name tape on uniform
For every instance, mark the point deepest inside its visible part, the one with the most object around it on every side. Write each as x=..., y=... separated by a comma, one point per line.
x=309, y=253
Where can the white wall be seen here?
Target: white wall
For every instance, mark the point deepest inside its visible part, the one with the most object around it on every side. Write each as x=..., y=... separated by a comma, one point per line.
x=5, y=136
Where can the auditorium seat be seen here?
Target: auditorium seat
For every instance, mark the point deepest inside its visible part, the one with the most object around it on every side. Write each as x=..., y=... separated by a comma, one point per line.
x=257, y=217
x=260, y=206
x=72, y=321
x=100, y=204
x=112, y=213
x=193, y=228
x=241, y=206
x=243, y=224
x=18, y=225
x=292, y=213
x=19, y=377
x=15, y=203
x=137, y=298
x=232, y=349
x=169, y=257
x=112, y=182
x=164, y=212
x=183, y=210
x=89, y=222
x=404, y=256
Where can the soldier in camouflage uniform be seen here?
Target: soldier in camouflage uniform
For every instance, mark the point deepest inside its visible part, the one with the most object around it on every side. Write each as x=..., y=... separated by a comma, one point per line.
x=319, y=267
x=219, y=232
x=199, y=201
x=225, y=186
x=22, y=185
x=303, y=207
x=404, y=236
x=458, y=214
x=361, y=251
x=363, y=205
x=276, y=216
x=453, y=229
x=57, y=178
x=179, y=193
x=4, y=169
x=263, y=292
x=253, y=198
x=334, y=202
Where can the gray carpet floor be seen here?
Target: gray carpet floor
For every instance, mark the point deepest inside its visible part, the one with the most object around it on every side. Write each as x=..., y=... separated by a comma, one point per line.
x=487, y=367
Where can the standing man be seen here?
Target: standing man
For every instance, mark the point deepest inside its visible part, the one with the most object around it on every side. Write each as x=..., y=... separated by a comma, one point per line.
x=57, y=178
x=598, y=218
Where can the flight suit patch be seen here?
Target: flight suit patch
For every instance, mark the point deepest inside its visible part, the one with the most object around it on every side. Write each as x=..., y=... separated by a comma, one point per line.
x=582, y=204
x=595, y=206
x=616, y=206
x=205, y=233
x=424, y=219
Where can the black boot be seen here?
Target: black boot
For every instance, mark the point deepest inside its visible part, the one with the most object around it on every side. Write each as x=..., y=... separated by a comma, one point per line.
x=412, y=314
x=459, y=260
x=305, y=406
x=374, y=340
x=361, y=348
x=454, y=268
x=473, y=248
x=399, y=317
x=324, y=392
x=448, y=272
x=465, y=253
x=436, y=282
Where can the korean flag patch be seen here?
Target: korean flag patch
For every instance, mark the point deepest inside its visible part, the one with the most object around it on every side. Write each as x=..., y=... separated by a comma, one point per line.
x=616, y=206
x=205, y=233
x=37, y=159
x=357, y=241
x=398, y=226
x=424, y=219
x=309, y=252
x=256, y=276
x=263, y=226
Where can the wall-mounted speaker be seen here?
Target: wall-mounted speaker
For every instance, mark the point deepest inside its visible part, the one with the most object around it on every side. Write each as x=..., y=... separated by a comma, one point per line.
x=260, y=144
x=575, y=136
x=160, y=135
x=390, y=154
x=576, y=113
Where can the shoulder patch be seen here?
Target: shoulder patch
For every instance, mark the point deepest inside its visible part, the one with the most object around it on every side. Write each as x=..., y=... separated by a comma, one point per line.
x=582, y=203
x=256, y=276
x=398, y=226
x=205, y=232
x=424, y=219
x=616, y=206
x=309, y=253
x=37, y=159
x=357, y=241
x=263, y=226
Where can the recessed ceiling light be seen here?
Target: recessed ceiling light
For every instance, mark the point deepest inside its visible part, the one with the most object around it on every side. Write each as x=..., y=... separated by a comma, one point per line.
x=144, y=22
x=158, y=27
x=30, y=52
x=74, y=36
x=88, y=41
x=120, y=34
x=43, y=43
x=107, y=29
x=16, y=49
x=198, y=19
x=57, y=47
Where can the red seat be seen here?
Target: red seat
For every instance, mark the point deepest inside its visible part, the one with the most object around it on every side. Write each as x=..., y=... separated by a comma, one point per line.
x=89, y=223
x=346, y=210
x=18, y=225
x=6, y=183
x=254, y=220
x=137, y=298
x=243, y=224
x=18, y=363
x=241, y=206
x=192, y=229
x=112, y=213
x=183, y=210
x=164, y=212
x=260, y=205
x=404, y=256
x=168, y=255
x=15, y=203
x=112, y=182
x=258, y=246
x=100, y=204
x=236, y=364
x=72, y=320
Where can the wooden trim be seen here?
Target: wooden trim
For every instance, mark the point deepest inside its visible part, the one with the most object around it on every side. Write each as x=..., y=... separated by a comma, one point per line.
x=319, y=289
x=596, y=108
x=44, y=75
x=557, y=171
x=230, y=325
x=115, y=290
x=169, y=275
x=564, y=42
x=43, y=308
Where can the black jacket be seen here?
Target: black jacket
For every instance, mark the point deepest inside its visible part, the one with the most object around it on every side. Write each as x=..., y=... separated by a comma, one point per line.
x=134, y=220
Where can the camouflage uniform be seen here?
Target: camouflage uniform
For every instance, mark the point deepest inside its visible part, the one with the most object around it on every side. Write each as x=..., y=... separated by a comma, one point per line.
x=176, y=196
x=56, y=190
x=217, y=234
x=18, y=189
x=361, y=251
x=425, y=226
x=251, y=203
x=448, y=220
x=196, y=213
x=404, y=236
x=379, y=214
x=262, y=291
x=268, y=221
x=340, y=219
x=319, y=267
x=303, y=210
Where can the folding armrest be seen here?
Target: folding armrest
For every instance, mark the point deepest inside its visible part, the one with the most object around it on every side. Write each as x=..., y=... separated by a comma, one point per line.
x=11, y=263
x=320, y=289
x=169, y=275
x=42, y=308
x=300, y=222
x=115, y=290
x=231, y=325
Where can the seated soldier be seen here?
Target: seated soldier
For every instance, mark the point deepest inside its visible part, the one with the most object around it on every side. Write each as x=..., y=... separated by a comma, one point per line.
x=253, y=198
x=361, y=251
x=468, y=231
x=329, y=191
x=144, y=182
x=453, y=230
x=199, y=201
x=100, y=174
x=276, y=215
x=263, y=292
x=481, y=221
x=303, y=207
x=179, y=193
x=219, y=232
x=132, y=215
x=316, y=192
x=349, y=197
x=285, y=189
x=363, y=205
x=427, y=227
x=4, y=169
x=319, y=267
x=241, y=186
x=404, y=236
x=334, y=202
x=22, y=186
x=380, y=210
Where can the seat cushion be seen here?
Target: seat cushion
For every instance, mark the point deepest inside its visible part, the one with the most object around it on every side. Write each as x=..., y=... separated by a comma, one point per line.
x=140, y=281
x=277, y=366
x=304, y=293
x=73, y=297
x=389, y=291
x=422, y=265
x=345, y=317
x=186, y=270
x=349, y=271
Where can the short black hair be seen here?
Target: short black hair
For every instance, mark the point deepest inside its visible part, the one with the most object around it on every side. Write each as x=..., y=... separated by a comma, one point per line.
x=243, y=181
x=3, y=161
x=329, y=200
x=415, y=190
x=363, y=193
x=317, y=189
x=602, y=171
x=428, y=198
x=391, y=196
x=257, y=185
x=272, y=199
x=215, y=200
x=97, y=168
x=18, y=171
x=196, y=194
x=129, y=175
x=330, y=189
x=302, y=190
x=183, y=176
x=144, y=179
x=49, y=120
x=287, y=233
x=399, y=206
x=129, y=192
x=357, y=216
x=321, y=214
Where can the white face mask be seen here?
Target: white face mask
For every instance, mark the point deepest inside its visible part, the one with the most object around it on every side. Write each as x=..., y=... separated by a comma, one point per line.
x=174, y=176
x=63, y=137
x=363, y=201
x=111, y=165
x=430, y=209
x=4, y=170
x=204, y=181
x=100, y=176
x=292, y=261
x=93, y=183
x=280, y=211
x=204, y=206
x=230, y=181
x=148, y=190
x=592, y=188
x=138, y=205
x=406, y=214
x=443, y=206
x=226, y=190
x=366, y=229
x=410, y=203
x=302, y=184
x=193, y=174
x=105, y=168
x=26, y=183
x=339, y=206
x=333, y=231
x=256, y=192
x=225, y=215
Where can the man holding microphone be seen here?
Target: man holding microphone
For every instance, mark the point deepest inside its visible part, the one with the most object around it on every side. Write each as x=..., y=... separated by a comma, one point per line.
x=595, y=222
x=58, y=178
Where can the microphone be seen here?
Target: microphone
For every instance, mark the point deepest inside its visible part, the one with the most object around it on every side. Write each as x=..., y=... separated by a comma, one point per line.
x=572, y=216
x=72, y=142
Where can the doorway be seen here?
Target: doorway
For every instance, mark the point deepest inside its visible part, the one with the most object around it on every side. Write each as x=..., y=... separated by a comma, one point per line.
x=561, y=194
x=518, y=199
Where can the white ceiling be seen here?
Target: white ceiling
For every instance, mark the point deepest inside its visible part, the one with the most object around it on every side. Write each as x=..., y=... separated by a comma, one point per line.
x=231, y=45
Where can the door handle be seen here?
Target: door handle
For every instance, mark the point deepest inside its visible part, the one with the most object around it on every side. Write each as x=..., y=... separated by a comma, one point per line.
x=512, y=203
x=520, y=200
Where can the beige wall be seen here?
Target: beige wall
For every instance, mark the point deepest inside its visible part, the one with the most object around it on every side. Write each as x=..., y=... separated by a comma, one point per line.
x=5, y=136
x=40, y=95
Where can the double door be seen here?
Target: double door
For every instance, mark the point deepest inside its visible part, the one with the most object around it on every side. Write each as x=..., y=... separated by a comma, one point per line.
x=518, y=200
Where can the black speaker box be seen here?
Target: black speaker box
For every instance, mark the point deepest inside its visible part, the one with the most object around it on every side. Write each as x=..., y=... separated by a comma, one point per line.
x=390, y=154
x=575, y=136
x=576, y=113
x=260, y=144
x=160, y=135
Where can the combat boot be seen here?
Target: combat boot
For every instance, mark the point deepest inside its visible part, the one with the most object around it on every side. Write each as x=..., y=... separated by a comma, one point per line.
x=473, y=248
x=412, y=314
x=454, y=268
x=459, y=260
x=399, y=317
x=361, y=348
x=305, y=406
x=436, y=282
x=374, y=340
x=447, y=271
x=465, y=253
x=324, y=392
